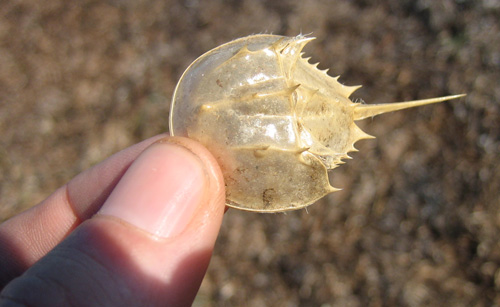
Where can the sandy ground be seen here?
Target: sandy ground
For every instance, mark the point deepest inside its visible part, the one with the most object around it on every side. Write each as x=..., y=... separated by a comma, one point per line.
x=417, y=222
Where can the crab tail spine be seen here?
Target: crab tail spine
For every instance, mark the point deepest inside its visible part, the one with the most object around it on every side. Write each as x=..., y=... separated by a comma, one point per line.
x=362, y=111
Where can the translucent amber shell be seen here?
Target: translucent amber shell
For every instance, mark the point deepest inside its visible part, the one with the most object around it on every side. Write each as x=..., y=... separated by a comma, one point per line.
x=274, y=122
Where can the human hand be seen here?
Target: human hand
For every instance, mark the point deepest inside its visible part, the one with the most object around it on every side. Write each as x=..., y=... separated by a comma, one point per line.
x=159, y=209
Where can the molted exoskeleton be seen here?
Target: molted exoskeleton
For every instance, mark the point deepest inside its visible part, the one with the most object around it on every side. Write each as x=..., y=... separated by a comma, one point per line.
x=275, y=123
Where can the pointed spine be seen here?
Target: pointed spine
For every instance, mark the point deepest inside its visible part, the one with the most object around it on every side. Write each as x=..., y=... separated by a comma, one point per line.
x=243, y=51
x=333, y=189
x=358, y=134
x=362, y=111
x=293, y=47
x=351, y=89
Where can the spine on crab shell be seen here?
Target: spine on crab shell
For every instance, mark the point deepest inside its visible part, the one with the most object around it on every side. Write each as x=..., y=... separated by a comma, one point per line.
x=362, y=111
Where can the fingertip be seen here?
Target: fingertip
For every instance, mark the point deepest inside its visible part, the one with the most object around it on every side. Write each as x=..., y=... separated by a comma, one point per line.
x=217, y=186
x=214, y=200
x=163, y=189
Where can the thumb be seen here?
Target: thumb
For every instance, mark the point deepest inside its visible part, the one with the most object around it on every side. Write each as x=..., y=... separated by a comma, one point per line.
x=149, y=244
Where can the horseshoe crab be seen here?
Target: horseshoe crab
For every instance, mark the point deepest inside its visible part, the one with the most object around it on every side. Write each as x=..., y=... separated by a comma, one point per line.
x=275, y=123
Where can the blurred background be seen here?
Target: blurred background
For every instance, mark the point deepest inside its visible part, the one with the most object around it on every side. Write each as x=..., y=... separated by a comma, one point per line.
x=417, y=222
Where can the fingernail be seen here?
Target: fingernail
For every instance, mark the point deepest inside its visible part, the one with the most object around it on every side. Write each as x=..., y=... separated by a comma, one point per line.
x=160, y=191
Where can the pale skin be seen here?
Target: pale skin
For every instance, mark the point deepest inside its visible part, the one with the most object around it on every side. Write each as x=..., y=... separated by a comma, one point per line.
x=138, y=229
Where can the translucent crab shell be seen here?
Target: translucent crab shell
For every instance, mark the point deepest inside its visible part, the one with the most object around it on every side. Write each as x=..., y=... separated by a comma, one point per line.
x=274, y=122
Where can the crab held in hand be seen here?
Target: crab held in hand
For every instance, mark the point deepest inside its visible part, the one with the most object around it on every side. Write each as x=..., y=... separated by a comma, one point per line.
x=275, y=123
